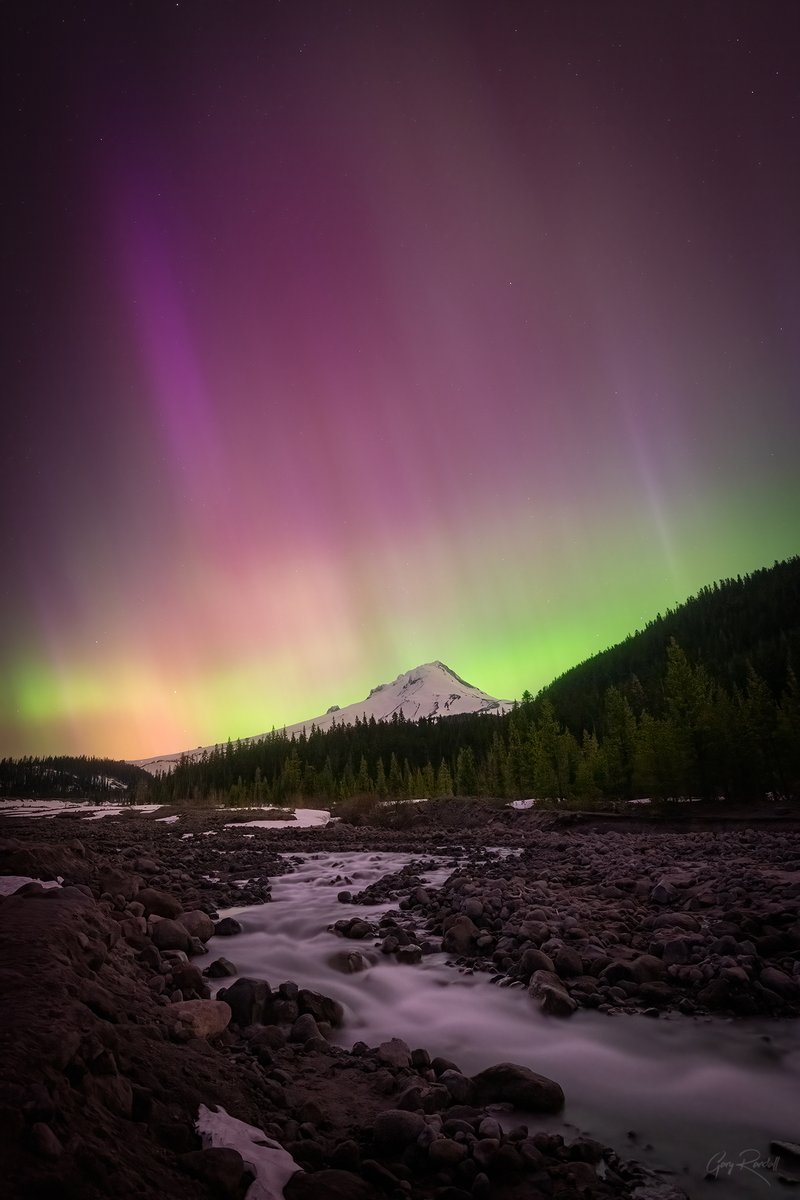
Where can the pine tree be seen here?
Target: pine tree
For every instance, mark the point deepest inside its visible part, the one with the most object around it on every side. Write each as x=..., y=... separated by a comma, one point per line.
x=466, y=774
x=395, y=778
x=363, y=785
x=444, y=780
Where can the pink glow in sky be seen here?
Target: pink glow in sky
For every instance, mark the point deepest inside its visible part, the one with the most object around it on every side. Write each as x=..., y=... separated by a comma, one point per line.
x=351, y=337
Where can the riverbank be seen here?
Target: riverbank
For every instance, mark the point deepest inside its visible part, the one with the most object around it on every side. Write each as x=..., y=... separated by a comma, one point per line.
x=102, y=1053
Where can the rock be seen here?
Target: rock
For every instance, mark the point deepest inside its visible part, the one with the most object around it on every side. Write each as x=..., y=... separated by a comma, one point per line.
x=553, y=997
x=567, y=962
x=534, y=960
x=792, y=1149
x=198, y=924
x=328, y=1184
x=171, y=935
x=513, y=1084
x=409, y=955
x=675, y=950
x=160, y=903
x=459, y=1087
x=677, y=920
x=460, y=935
x=359, y=930
x=221, y=1167
x=227, y=927
x=664, y=892
x=473, y=908
x=114, y=1091
x=780, y=983
x=45, y=1142
x=248, y=999
x=304, y=1029
x=323, y=1008
x=446, y=1153
x=119, y=883
x=220, y=968
x=200, y=1018
x=646, y=968
x=396, y=1127
x=395, y=1053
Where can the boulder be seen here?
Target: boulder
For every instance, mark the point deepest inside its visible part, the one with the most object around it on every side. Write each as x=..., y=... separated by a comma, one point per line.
x=247, y=999
x=305, y=1029
x=395, y=1053
x=567, y=962
x=198, y=924
x=220, y=968
x=171, y=935
x=397, y=1127
x=219, y=1166
x=328, y=1184
x=160, y=903
x=664, y=892
x=460, y=936
x=646, y=968
x=510, y=1083
x=534, y=960
x=200, y=1018
x=227, y=927
x=780, y=983
x=553, y=997
x=323, y=1008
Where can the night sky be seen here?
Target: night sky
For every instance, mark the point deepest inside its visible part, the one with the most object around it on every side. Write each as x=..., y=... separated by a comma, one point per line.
x=340, y=337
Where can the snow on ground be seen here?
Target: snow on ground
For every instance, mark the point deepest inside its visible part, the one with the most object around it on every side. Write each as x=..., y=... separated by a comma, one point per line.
x=273, y=1166
x=51, y=808
x=522, y=803
x=10, y=883
x=167, y=820
x=303, y=819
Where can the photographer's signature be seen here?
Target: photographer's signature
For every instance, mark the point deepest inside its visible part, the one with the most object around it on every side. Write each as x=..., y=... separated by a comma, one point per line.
x=751, y=1161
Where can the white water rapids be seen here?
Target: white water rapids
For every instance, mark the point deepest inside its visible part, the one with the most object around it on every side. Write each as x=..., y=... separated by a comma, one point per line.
x=692, y=1091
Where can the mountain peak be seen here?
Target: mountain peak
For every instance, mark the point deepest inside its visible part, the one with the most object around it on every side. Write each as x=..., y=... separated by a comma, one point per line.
x=430, y=690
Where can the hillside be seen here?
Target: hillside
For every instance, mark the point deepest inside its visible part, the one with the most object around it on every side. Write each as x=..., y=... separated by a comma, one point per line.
x=752, y=621
x=70, y=777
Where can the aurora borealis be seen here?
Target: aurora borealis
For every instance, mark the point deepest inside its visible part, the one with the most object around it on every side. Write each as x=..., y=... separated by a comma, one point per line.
x=346, y=337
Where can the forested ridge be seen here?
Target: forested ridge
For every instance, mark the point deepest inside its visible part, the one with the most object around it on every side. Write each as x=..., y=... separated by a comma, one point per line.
x=703, y=702
x=72, y=776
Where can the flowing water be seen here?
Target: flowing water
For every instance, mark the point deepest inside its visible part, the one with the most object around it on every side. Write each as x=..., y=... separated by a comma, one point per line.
x=694, y=1093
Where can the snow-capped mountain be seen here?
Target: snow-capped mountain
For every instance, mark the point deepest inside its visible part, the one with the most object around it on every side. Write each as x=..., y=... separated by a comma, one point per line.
x=431, y=690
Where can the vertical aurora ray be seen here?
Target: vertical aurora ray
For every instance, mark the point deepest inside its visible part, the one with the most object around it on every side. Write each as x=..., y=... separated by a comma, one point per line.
x=399, y=334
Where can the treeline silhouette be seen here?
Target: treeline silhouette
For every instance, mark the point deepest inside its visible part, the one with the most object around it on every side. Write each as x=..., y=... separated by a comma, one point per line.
x=704, y=702
x=66, y=776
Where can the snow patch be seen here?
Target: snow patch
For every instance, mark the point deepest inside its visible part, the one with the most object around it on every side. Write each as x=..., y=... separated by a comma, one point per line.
x=51, y=808
x=522, y=803
x=304, y=818
x=167, y=820
x=273, y=1166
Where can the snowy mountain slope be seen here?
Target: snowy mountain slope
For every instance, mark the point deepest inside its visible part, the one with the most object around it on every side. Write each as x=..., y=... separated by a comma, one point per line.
x=430, y=690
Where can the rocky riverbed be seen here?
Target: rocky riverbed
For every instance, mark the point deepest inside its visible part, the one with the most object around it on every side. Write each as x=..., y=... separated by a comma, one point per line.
x=113, y=1045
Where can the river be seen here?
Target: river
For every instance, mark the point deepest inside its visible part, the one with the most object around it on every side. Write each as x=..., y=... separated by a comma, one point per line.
x=681, y=1095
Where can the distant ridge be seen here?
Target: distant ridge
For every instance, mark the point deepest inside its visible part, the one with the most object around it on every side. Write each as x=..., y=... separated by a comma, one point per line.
x=430, y=690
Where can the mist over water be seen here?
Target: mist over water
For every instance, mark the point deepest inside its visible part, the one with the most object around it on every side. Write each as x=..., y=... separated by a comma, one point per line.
x=689, y=1089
